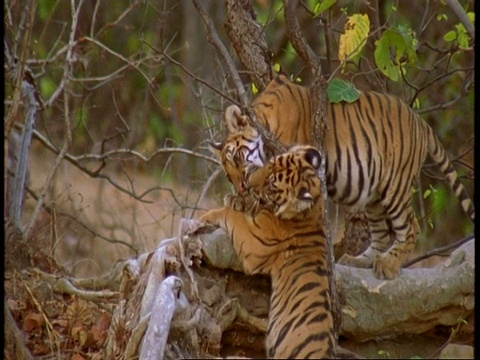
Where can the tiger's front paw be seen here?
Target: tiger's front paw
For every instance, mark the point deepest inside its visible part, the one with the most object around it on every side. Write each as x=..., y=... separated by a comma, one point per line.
x=386, y=266
x=360, y=261
x=212, y=217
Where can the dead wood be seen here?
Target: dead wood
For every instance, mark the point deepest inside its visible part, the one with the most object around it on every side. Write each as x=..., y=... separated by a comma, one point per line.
x=214, y=309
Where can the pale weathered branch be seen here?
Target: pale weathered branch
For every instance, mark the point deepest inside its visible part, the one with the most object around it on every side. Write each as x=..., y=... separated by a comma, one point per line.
x=23, y=88
x=163, y=308
x=422, y=298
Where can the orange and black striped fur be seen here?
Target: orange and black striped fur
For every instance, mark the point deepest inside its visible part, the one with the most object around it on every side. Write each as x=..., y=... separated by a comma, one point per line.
x=375, y=148
x=286, y=240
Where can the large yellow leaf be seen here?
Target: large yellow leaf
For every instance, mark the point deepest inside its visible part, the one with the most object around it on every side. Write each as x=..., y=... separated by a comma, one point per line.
x=355, y=36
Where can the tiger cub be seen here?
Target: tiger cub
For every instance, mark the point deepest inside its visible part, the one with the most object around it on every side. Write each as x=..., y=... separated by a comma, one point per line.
x=285, y=239
x=375, y=148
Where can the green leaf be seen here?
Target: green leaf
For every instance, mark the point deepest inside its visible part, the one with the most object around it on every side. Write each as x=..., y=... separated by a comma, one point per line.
x=450, y=36
x=463, y=41
x=442, y=17
x=471, y=16
x=427, y=193
x=395, y=47
x=390, y=42
x=323, y=5
x=340, y=90
x=47, y=87
x=354, y=38
x=416, y=103
x=254, y=89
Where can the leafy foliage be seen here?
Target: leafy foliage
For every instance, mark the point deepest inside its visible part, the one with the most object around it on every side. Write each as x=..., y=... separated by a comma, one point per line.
x=353, y=40
x=323, y=5
x=394, y=50
x=459, y=35
x=339, y=90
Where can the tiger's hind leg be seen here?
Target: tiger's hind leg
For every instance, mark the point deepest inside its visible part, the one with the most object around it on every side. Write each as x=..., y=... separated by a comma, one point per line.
x=381, y=234
x=388, y=265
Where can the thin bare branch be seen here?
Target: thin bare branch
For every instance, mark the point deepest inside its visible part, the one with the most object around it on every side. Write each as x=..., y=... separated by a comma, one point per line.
x=17, y=68
x=132, y=6
x=214, y=39
x=134, y=64
x=299, y=43
x=68, y=134
x=193, y=76
x=442, y=251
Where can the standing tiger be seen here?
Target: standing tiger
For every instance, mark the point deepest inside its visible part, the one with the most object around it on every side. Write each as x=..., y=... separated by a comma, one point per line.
x=285, y=239
x=375, y=148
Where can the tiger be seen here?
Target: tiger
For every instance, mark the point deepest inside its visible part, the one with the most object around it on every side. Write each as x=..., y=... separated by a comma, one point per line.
x=285, y=239
x=374, y=150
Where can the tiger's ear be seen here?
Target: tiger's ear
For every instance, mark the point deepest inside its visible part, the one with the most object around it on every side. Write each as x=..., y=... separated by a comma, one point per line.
x=216, y=148
x=312, y=156
x=236, y=122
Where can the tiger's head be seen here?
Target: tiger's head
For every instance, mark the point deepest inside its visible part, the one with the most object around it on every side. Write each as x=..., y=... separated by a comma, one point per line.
x=243, y=146
x=289, y=183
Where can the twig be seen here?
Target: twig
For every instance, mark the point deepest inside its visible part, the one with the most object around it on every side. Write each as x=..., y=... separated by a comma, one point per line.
x=192, y=75
x=62, y=285
x=50, y=330
x=132, y=6
x=120, y=154
x=18, y=69
x=214, y=39
x=68, y=135
x=270, y=140
x=298, y=41
x=439, y=251
x=133, y=64
x=20, y=349
x=49, y=210
x=205, y=189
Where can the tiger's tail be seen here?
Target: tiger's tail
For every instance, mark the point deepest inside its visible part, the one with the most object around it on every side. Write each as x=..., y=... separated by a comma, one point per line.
x=438, y=154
